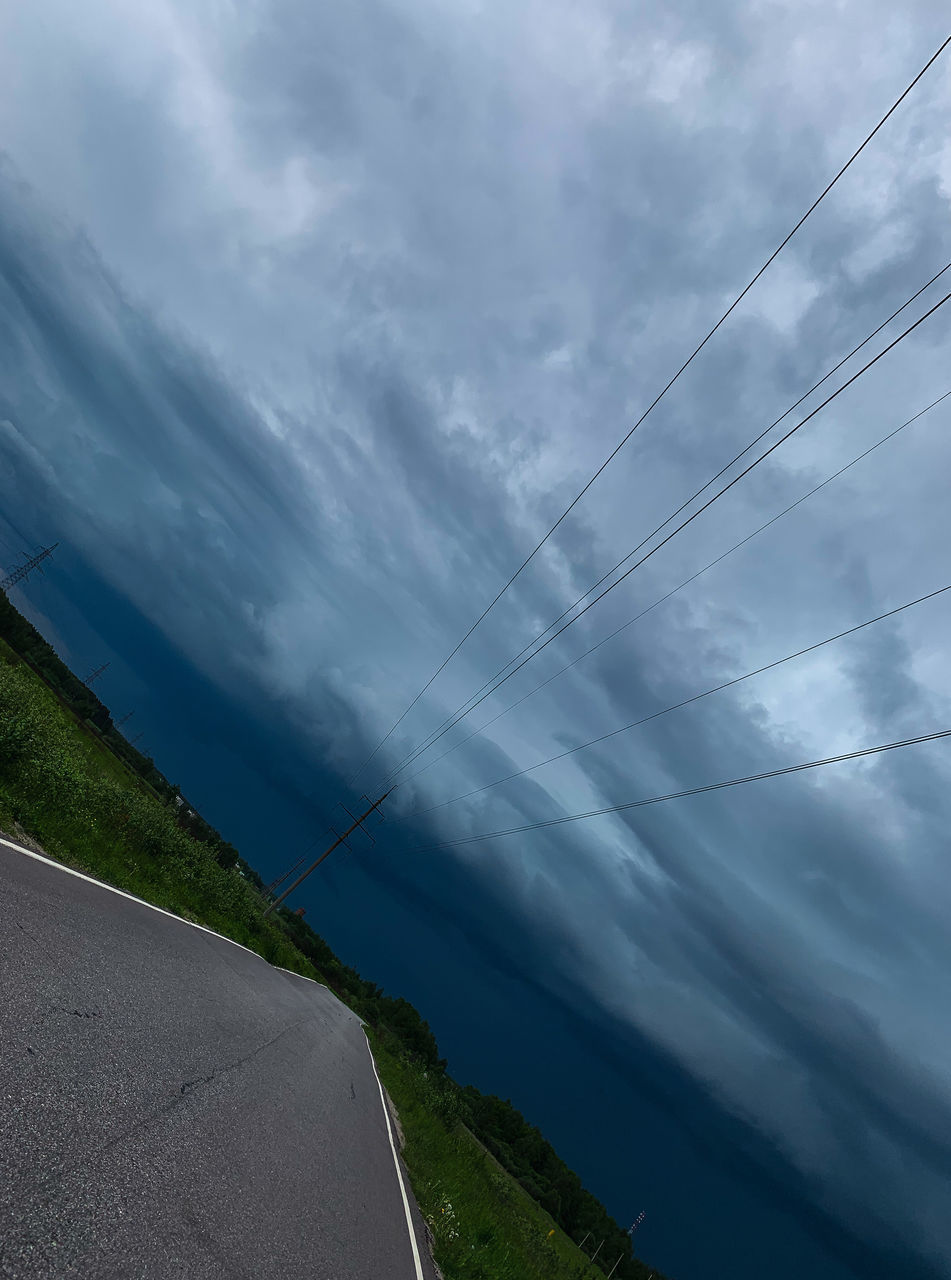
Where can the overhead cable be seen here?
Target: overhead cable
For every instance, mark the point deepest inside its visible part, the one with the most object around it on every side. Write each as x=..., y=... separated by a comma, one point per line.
x=431, y=737
x=696, y=351
x=690, y=791
x=686, y=702
x=684, y=523
x=680, y=586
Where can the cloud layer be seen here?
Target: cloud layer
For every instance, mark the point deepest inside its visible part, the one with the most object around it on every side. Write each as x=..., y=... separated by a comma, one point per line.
x=314, y=321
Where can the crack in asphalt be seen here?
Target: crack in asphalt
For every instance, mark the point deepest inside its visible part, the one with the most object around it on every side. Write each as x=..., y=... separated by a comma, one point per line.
x=188, y=1085
x=31, y=936
x=186, y=1090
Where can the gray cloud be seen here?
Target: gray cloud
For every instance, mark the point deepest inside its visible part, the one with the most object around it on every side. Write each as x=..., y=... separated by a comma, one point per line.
x=312, y=324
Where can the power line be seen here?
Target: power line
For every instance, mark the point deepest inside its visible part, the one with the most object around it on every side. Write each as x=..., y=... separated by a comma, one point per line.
x=275, y=884
x=7, y=520
x=430, y=737
x=696, y=351
x=710, y=501
x=686, y=702
x=674, y=590
x=690, y=791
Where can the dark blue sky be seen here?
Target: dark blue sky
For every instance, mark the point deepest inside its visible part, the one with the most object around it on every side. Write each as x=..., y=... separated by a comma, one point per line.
x=640, y=1130
x=310, y=325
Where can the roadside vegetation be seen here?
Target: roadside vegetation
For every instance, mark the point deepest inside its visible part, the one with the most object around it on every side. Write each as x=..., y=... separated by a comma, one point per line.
x=486, y=1223
x=59, y=786
x=500, y=1203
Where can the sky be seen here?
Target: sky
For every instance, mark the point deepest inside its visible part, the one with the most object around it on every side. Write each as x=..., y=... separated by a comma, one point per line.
x=314, y=320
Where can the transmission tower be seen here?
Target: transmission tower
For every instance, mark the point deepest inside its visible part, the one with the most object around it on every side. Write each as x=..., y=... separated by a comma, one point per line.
x=24, y=570
x=125, y=719
x=138, y=737
x=94, y=675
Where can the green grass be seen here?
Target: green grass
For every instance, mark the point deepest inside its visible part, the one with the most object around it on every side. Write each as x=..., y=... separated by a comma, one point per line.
x=60, y=785
x=94, y=754
x=484, y=1225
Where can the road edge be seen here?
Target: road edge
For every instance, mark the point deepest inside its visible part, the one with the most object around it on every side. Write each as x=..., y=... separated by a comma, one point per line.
x=396, y=1163
x=122, y=893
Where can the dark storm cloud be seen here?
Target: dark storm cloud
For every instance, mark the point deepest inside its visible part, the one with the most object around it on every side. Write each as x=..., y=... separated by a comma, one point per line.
x=139, y=414
x=134, y=413
x=359, y=300
x=710, y=927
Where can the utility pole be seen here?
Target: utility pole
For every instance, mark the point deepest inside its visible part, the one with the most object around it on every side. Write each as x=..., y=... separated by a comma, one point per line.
x=275, y=884
x=24, y=570
x=596, y=1252
x=339, y=841
x=614, y=1268
x=94, y=675
x=125, y=719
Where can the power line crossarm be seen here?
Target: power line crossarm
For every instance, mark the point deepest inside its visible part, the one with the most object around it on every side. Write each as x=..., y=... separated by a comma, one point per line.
x=326, y=854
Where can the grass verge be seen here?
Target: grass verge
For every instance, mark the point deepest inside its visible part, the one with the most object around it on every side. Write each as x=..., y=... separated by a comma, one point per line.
x=484, y=1225
x=61, y=786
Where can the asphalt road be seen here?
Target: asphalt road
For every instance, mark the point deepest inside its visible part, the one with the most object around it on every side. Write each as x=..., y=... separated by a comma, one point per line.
x=173, y=1106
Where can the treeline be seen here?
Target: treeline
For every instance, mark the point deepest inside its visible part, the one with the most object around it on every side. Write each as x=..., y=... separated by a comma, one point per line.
x=524, y=1152
x=517, y=1145
x=158, y=845
x=393, y=1017
x=24, y=638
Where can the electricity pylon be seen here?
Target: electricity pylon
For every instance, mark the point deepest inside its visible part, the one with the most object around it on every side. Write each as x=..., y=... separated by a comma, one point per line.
x=24, y=570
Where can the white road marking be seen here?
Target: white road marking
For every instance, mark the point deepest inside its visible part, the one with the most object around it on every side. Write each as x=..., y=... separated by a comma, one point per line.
x=51, y=862
x=305, y=977
x=399, y=1172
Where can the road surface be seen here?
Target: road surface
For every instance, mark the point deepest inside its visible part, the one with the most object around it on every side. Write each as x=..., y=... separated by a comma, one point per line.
x=171, y=1106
